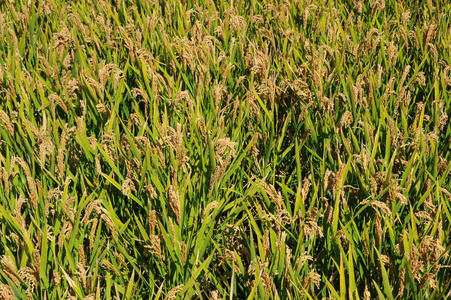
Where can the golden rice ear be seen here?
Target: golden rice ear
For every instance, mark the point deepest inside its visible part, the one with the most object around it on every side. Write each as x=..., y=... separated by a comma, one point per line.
x=172, y=294
x=110, y=266
x=7, y=121
x=155, y=247
x=6, y=292
x=153, y=221
x=174, y=202
x=10, y=269
x=110, y=224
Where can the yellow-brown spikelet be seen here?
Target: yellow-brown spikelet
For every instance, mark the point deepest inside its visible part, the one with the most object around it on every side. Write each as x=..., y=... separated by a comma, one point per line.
x=442, y=165
x=428, y=278
x=60, y=155
x=82, y=274
x=274, y=195
x=346, y=120
x=379, y=76
x=46, y=148
x=29, y=275
x=386, y=260
x=54, y=98
x=329, y=180
x=430, y=33
x=153, y=221
x=110, y=266
x=127, y=187
x=306, y=14
x=179, y=149
x=5, y=178
x=219, y=172
x=339, y=176
x=366, y=293
x=238, y=24
x=172, y=294
x=81, y=254
x=184, y=96
x=266, y=246
x=174, y=202
x=107, y=28
x=10, y=269
x=37, y=260
x=404, y=75
x=183, y=251
x=305, y=188
x=152, y=194
x=405, y=18
x=120, y=259
x=214, y=295
x=288, y=265
x=414, y=37
x=428, y=202
x=2, y=24
x=423, y=215
x=305, y=110
x=18, y=212
x=314, y=229
x=202, y=127
x=72, y=86
x=222, y=145
x=379, y=5
x=401, y=282
x=443, y=116
x=93, y=84
x=260, y=64
x=92, y=233
x=97, y=165
x=434, y=51
x=104, y=73
x=405, y=36
x=144, y=142
x=378, y=228
x=266, y=281
x=50, y=235
x=155, y=247
x=388, y=90
x=209, y=207
x=110, y=224
x=56, y=277
x=6, y=292
x=7, y=121
x=312, y=277
x=327, y=104
x=103, y=109
x=11, y=89
x=420, y=78
x=61, y=40
x=416, y=264
x=446, y=74
x=66, y=231
x=118, y=75
x=33, y=193
x=329, y=210
x=382, y=206
x=218, y=90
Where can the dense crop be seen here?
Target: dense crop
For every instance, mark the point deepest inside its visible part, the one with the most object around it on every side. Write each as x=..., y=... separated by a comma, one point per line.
x=225, y=149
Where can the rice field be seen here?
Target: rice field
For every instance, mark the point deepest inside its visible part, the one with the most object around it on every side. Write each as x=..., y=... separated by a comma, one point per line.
x=201, y=149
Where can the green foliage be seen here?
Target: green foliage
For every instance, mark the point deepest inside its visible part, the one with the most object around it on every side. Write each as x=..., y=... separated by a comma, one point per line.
x=225, y=149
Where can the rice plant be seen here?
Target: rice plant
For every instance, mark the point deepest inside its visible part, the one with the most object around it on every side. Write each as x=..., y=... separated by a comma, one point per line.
x=237, y=149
